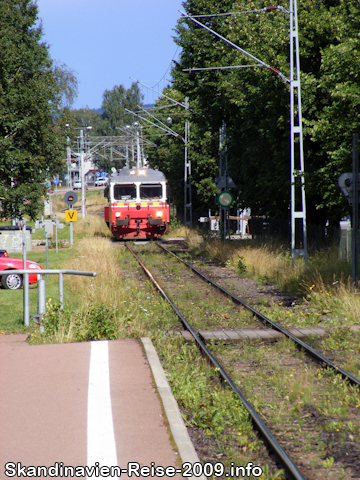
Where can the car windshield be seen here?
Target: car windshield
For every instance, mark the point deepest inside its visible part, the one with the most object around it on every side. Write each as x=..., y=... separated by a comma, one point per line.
x=125, y=192
x=150, y=191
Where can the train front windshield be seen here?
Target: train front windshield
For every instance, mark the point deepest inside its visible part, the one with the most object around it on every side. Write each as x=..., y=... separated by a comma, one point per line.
x=150, y=191
x=125, y=192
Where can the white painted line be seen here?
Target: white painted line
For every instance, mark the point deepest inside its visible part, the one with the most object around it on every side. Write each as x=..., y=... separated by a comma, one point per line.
x=100, y=428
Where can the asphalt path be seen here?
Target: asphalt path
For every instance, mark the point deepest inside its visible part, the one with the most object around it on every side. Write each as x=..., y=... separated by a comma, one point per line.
x=80, y=405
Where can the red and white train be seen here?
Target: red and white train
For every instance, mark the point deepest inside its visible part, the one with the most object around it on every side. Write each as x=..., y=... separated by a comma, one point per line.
x=138, y=204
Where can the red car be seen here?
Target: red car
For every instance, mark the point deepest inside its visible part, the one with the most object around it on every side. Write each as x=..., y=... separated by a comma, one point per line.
x=14, y=281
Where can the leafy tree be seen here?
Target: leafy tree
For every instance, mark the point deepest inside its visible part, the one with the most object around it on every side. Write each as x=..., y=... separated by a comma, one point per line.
x=255, y=104
x=107, y=120
x=33, y=92
x=89, y=117
x=169, y=156
x=115, y=102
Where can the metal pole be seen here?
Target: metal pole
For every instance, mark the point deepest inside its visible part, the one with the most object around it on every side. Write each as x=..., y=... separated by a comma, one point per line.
x=41, y=300
x=71, y=234
x=138, y=153
x=61, y=290
x=187, y=173
x=47, y=251
x=355, y=210
x=68, y=150
x=223, y=173
x=26, y=295
x=297, y=171
x=56, y=235
x=83, y=212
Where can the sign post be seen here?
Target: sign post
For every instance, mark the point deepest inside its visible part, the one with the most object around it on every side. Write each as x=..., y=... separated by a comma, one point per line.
x=70, y=215
x=355, y=210
x=225, y=199
x=349, y=184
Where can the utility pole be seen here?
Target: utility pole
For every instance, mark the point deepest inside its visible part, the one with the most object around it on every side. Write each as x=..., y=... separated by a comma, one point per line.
x=297, y=181
x=297, y=170
x=187, y=173
x=68, y=151
x=223, y=173
x=355, y=210
x=186, y=140
x=138, y=151
x=82, y=176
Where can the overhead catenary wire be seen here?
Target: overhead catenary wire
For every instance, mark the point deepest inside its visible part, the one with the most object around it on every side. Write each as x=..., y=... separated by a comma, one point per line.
x=245, y=12
x=177, y=48
x=260, y=62
x=219, y=68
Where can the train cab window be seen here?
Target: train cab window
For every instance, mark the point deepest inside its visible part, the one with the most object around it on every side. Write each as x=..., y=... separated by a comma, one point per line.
x=125, y=192
x=151, y=191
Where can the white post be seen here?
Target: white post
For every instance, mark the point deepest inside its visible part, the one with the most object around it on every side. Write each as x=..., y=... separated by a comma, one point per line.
x=41, y=300
x=56, y=235
x=187, y=173
x=82, y=176
x=296, y=128
x=68, y=150
x=71, y=234
x=26, y=295
x=61, y=289
x=138, y=156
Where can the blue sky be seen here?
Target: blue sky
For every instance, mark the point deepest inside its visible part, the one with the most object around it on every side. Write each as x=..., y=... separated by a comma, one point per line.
x=107, y=41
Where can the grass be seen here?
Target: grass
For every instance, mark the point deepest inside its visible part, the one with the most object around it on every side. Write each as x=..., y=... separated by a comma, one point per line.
x=299, y=400
x=11, y=301
x=215, y=410
x=116, y=304
x=111, y=305
x=326, y=286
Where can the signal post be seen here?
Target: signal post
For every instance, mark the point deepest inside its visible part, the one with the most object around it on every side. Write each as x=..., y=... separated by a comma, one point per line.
x=70, y=215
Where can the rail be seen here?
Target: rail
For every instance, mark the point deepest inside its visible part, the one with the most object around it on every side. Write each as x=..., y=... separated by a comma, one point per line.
x=261, y=427
x=311, y=352
x=42, y=288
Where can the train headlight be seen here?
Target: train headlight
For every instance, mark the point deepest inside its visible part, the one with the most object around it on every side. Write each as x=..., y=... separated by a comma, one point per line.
x=117, y=214
x=159, y=213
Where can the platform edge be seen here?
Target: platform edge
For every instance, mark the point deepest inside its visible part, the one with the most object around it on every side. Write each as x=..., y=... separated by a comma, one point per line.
x=178, y=429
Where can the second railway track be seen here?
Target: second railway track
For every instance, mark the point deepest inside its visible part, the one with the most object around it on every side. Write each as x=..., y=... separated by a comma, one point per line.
x=256, y=368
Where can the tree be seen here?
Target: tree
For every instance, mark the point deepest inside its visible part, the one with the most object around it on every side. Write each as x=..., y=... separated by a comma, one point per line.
x=32, y=94
x=107, y=120
x=113, y=107
x=168, y=157
x=255, y=104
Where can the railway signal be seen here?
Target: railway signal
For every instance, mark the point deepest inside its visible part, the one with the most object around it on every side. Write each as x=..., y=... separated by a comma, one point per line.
x=225, y=199
x=70, y=198
x=345, y=183
x=349, y=184
x=70, y=215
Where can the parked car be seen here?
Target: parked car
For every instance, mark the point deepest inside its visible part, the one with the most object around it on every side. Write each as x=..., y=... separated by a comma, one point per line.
x=77, y=185
x=101, y=182
x=14, y=281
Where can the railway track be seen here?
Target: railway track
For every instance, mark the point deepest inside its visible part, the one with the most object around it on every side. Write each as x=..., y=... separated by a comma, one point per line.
x=231, y=317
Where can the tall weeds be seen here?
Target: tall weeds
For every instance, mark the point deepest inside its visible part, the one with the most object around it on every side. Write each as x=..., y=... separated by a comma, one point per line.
x=326, y=284
x=111, y=305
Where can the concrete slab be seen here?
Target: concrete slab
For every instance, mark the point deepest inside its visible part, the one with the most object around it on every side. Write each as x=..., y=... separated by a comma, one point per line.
x=266, y=335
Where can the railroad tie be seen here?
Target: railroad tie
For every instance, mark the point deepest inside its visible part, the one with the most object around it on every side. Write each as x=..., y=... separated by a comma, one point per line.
x=252, y=334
